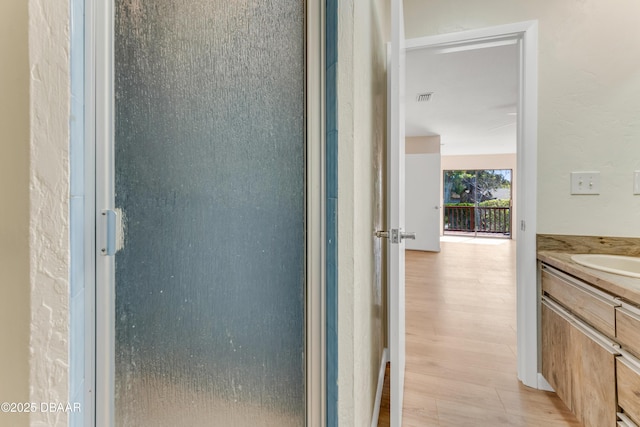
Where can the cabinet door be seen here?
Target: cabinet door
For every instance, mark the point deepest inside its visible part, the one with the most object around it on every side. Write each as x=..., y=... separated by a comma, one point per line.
x=628, y=372
x=580, y=365
x=594, y=380
x=556, y=337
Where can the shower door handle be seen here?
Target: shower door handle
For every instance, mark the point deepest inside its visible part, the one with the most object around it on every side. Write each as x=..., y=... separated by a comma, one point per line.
x=106, y=235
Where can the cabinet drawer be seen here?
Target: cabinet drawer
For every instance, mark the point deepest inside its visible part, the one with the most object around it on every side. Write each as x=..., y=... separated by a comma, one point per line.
x=628, y=377
x=591, y=305
x=628, y=328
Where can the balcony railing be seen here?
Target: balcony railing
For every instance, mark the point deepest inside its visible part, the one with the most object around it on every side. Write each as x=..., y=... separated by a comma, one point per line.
x=481, y=219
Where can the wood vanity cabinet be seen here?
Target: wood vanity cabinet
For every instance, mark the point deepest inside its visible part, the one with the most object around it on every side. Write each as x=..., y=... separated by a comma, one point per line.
x=589, y=346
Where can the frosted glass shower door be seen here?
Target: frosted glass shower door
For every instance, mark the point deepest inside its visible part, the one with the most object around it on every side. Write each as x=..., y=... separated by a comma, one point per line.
x=209, y=184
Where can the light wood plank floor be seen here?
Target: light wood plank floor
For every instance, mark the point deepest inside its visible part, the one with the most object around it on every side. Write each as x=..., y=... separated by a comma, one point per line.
x=461, y=342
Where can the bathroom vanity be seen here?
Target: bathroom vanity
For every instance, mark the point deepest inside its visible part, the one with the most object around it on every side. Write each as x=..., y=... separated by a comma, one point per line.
x=590, y=338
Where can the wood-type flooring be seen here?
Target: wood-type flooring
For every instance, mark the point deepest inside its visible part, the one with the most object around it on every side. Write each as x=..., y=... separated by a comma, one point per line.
x=461, y=342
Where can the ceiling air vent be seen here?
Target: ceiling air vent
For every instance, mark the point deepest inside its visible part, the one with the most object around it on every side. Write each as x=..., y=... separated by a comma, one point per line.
x=424, y=97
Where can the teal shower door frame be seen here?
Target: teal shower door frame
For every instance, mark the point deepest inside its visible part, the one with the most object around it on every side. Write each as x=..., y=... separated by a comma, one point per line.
x=99, y=175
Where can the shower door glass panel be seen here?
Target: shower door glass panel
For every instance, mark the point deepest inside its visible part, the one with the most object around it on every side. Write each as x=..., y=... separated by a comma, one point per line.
x=210, y=185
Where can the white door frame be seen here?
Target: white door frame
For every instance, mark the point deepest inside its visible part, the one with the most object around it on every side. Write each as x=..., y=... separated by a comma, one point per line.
x=526, y=33
x=98, y=132
x=396, y=212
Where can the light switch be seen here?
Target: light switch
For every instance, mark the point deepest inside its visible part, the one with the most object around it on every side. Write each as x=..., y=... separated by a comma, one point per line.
x=585, y=182
x=636, y=182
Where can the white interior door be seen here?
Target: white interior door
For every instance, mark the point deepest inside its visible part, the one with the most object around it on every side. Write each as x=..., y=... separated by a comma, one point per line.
x=423, y=201
x=396, y=158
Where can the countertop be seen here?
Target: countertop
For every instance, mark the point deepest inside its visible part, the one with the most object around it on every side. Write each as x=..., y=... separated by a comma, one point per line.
x=627, y=288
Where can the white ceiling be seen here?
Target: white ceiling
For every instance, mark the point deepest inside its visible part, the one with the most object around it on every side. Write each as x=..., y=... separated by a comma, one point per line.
x=474, y=103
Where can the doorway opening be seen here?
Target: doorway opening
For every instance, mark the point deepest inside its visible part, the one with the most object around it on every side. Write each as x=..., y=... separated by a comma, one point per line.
x=500, y=126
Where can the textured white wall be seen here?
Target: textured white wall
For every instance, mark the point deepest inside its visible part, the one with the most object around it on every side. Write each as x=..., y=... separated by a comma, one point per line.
x=589, y=58
x=14, y=215
x=361, y=128
x=49, y=216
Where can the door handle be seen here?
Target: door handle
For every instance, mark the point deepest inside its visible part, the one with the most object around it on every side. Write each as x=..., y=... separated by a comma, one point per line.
x=408, y=235
x=396, y=235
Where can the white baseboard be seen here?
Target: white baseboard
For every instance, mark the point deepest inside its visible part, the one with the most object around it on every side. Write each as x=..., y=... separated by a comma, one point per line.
x=543, y=384
x=376, y=403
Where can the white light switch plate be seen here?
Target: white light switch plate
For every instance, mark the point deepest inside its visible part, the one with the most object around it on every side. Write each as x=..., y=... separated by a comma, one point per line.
x=585, y=182
x=636, y=182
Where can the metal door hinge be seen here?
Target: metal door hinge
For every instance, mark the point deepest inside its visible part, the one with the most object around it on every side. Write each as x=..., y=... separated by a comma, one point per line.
x=396, y=235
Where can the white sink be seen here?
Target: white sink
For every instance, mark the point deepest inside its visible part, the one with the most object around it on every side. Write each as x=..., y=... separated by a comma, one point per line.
x=617, y=264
